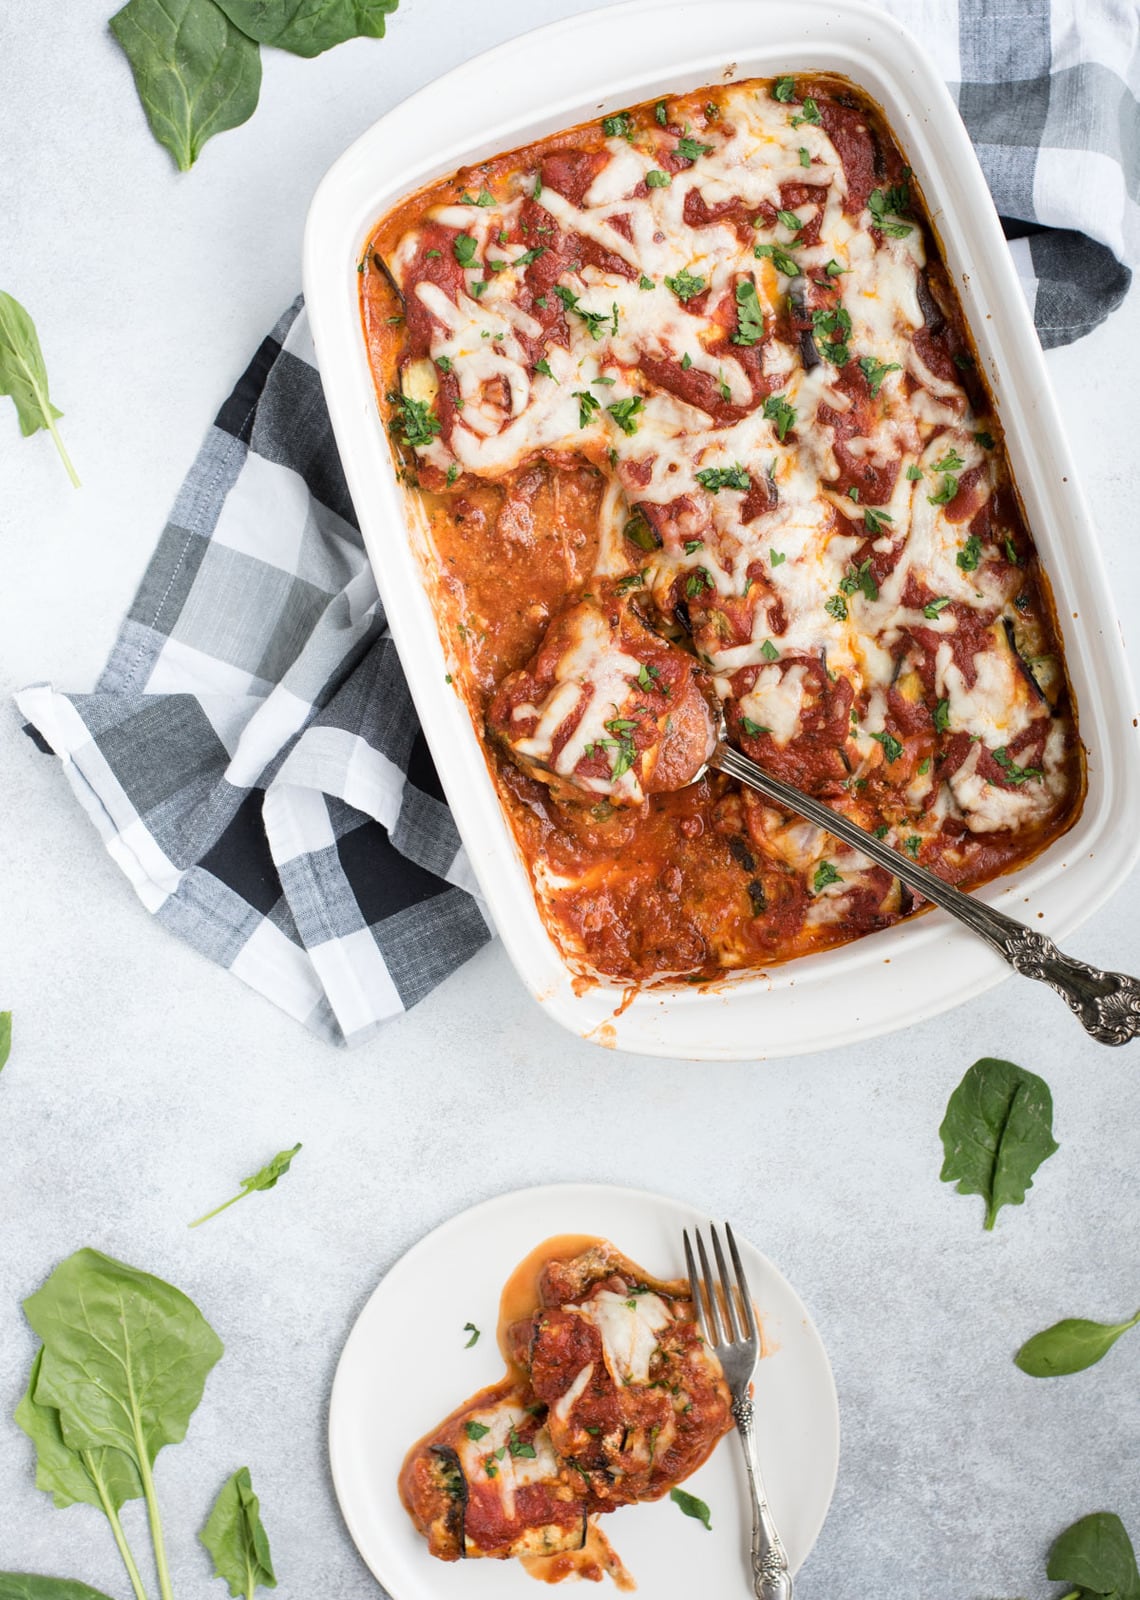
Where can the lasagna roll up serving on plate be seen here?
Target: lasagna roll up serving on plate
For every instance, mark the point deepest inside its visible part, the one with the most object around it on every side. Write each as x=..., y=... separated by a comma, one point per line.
x=690, y=407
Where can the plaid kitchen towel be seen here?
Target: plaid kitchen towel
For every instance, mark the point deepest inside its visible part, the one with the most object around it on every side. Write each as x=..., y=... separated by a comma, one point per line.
x=251, y=755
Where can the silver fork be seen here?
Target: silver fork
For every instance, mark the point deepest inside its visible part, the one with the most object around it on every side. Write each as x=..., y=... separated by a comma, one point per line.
x=738, y=1352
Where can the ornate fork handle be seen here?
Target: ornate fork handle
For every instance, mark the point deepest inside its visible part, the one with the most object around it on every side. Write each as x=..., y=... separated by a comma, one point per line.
x=1106, y=1003
x=771, y=1579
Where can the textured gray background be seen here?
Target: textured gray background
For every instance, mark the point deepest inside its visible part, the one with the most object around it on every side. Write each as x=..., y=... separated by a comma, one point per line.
x=144, y=1082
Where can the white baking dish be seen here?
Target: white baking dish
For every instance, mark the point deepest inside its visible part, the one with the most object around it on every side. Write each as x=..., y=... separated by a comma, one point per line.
x=572, y=72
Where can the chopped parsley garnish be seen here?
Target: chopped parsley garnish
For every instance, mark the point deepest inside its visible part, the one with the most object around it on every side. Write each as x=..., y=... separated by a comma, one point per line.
x=1011, y=772
x=624, y=411
x=543, y=366
x=951, y=462
x=825, y=873
x=780, y=259
x=790, y=220
x=650, y=678
x=810, y=113
x=686, y=361
x=443, y=363
x=432, y=255
x=882, y=830
x=912, y=845
x=725, y=391
x=778, y=411
x=749, y=316
x=452, y=474
x=716, y=478
x=933, y=608
x=784, y=90
x=619, y=126
x=945, y=492
x=661, y=113
x=890, y=203
x=835, y=327
x=1011, y=554
x=858, y=580
x=834, y=270
x=941, y=716
x=753, y=729
x=469, y=1327
x=874, y=518
x=693, y=545
x=656, y=179
x=489, y=1467
x=697, y=582
x=875, y=371
x=587, y=405
x=970, y=554
x=768, y=651
x=805, y=158
x=529, y=255
x=837, y=608
x=632, y=580
x=465, y=248
x=692, y=149
x=416, y=422
x=476, y=1430
x=483, y=198
x=892, y=748
x=777, y=558
x=686, y=285
x=594, y=320
x=914, y=473
x=985, y=439
x=924, y=767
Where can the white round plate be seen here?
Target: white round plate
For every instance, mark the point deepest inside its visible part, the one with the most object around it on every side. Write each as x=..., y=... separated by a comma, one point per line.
x=405, y=1366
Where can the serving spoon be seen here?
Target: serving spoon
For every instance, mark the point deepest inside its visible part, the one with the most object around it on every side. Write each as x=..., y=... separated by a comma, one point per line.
x=1107, y=1004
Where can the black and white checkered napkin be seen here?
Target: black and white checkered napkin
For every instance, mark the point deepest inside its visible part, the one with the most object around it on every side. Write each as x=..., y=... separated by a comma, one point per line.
x=251, y=755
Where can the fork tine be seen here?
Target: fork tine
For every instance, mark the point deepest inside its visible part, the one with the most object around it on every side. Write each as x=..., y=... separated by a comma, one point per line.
x=727, y=1308
x=695, y=1286
x=742, y=1281
x=709, y=1288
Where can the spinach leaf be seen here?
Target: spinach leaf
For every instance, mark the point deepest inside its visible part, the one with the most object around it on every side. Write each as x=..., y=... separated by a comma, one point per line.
x=997, y=1131
x=125, y=1360
x=236, y=1539
x=266, y=1178
x=1070, y=1346
x=23, y=375
x=31, y=1586
x=306, y=27
x=196, y=74
x=1096, y=1554
x=5, y=1038
x=100, y=1477
x=103, y=1477
x=691, y=1506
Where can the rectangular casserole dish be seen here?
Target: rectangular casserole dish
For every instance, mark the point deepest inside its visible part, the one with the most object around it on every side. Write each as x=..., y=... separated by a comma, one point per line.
x=550, y=80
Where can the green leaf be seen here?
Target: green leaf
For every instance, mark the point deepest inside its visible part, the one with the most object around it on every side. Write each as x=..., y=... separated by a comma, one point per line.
x=266, y=1177
x=32, y=1586
x=5, y=1038
x=691, y=1506
x=236, y=1539
x=997, y=1131
x=1096, y=1553
x=196, y=74
x=126, y=1355
x=23, y=375
x=90, y=1477
x=306, y=27
x=1070, y=1346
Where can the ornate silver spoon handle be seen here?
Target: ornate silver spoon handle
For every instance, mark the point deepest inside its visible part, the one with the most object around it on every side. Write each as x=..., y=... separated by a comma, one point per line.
x=1106, y=1003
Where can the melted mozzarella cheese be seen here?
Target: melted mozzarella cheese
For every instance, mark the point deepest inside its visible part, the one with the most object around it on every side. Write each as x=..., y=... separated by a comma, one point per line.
x=511, y=1472
x=629, y=1325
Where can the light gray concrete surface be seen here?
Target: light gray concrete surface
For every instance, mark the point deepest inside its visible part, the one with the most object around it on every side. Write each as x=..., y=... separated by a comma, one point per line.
x=144, y=1083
